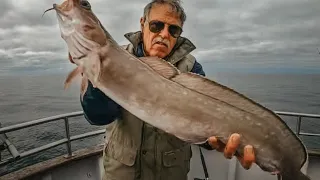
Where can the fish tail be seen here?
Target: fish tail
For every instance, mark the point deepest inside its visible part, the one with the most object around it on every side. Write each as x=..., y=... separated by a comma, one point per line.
x=294, y=176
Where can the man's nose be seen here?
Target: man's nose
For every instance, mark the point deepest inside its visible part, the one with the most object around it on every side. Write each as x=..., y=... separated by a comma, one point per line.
x=165, y=32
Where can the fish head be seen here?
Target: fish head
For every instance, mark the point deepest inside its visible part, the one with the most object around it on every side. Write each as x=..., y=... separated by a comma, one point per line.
x=77, y=15
x=79, y=27
x=82, y=31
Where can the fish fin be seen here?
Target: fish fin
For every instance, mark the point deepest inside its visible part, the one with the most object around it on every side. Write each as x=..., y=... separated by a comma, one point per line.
x=91, y=64
x=294, y=176
x=70, y=58
x=84, y=86
x=73, y=74
x=200, y=142
x=161, y=66
x=218, y=91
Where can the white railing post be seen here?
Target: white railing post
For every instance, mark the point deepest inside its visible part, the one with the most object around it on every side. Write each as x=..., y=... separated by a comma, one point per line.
x=66, y=121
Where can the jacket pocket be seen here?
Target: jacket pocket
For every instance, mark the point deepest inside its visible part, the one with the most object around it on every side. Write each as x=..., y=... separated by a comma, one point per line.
x=119, y=163
x=176, y=164
x=122, y=154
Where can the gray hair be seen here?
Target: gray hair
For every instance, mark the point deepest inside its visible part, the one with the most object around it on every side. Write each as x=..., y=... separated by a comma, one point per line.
x=176, y=6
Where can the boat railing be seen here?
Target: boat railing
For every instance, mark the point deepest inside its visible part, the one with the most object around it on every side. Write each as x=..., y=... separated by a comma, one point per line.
x=299, y=117
x=68, y=139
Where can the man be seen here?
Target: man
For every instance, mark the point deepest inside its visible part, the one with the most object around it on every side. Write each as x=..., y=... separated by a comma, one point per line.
x=134, y=149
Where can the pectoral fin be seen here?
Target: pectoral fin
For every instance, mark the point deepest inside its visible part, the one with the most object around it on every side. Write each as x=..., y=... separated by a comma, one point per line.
x=84, y=86
x=73, y=74
x=161, y=66
x=70, y=58
x=91, y=64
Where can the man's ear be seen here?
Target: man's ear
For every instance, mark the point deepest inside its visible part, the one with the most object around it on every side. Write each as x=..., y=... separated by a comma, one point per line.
x=142, y=20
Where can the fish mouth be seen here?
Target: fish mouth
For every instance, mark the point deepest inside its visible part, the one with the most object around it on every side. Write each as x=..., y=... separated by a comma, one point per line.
x=62, y=16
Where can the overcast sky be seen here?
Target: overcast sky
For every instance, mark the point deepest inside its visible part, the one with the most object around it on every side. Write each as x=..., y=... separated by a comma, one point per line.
x=239, y=33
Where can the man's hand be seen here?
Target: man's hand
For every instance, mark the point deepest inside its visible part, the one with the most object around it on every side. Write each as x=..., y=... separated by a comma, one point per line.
x=231, y=147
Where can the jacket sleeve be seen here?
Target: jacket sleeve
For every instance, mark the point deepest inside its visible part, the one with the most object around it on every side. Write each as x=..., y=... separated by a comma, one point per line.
x=98, y=108
x=197, y=68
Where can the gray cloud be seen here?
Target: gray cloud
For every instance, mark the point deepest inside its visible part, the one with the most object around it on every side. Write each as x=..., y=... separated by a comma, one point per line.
x=5, y=7
x=244, y=32
x=260, y=30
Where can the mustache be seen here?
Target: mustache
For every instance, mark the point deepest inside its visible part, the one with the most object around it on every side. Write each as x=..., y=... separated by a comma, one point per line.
x=161, y=40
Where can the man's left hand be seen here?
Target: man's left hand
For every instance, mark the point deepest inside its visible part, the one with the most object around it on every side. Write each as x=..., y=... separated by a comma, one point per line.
x=230, y=148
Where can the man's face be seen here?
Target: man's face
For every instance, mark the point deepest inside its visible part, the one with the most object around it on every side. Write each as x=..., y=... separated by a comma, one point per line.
x=163, y=13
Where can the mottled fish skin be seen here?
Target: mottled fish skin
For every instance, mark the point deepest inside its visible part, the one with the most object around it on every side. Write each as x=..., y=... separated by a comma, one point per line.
x=159, y=100
x=159, y=94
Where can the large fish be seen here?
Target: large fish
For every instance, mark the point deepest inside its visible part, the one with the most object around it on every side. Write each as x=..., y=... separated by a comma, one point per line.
x=189, y=106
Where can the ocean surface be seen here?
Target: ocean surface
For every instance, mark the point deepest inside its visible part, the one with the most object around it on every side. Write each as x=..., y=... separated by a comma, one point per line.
x=28, y=97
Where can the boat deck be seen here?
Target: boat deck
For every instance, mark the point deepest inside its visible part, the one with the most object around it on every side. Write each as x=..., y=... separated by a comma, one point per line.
x=87, y=163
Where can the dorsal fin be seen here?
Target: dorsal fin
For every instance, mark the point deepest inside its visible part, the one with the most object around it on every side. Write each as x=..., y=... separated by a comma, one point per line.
x=207, y=87
x=215, y=90
x=161, y=66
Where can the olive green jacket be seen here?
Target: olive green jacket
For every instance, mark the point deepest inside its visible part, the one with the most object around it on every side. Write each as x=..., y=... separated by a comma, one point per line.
x=135, y=150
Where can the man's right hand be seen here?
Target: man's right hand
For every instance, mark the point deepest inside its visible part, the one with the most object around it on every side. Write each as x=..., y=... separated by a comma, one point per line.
x=229, y=150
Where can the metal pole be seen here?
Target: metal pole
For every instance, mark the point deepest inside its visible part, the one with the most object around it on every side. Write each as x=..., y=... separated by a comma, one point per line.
x=298, y=127
x=66, y=121
x=2, y=147
x=206, y=174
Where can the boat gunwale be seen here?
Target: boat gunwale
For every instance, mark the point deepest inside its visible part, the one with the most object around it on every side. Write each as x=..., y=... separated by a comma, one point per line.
x=47, y=165
x=80, y=154
x=42, y=167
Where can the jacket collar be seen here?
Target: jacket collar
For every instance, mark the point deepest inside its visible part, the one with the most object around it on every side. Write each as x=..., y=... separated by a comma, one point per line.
x=183, y=46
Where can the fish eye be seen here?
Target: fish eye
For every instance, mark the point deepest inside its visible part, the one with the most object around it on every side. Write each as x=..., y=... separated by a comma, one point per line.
x=85, y=4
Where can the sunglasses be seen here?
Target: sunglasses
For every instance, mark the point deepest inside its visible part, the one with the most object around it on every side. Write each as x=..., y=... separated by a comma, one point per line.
x=157, y=26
